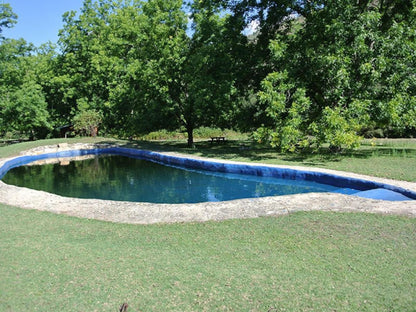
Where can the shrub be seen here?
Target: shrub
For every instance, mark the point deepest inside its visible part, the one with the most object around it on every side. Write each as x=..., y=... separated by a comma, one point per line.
x=87, y=122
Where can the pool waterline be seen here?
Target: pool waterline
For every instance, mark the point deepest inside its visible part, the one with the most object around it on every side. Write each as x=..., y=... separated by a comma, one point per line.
x=366, y=188
x=121, y=178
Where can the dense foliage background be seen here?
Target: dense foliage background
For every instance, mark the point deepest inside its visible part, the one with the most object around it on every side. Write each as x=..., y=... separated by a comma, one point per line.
x=296, y=73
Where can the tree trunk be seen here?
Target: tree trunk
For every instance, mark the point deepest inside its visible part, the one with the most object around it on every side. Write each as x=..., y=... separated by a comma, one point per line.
x=190, y=131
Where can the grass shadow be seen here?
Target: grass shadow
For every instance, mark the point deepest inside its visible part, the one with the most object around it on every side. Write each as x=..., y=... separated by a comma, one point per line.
x=392, y=160
x=256, y=152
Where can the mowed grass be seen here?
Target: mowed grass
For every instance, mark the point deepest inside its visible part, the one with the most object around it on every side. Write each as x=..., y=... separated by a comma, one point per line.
x=386, y=158
x=300, y=262
x=311, y=261
x=15, y=149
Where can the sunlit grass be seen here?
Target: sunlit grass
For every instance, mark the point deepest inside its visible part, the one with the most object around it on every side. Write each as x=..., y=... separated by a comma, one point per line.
x=311, y=261
x=299, y=262
x=15, y=149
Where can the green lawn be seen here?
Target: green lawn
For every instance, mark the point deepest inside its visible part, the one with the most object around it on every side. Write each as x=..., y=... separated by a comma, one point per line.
x=300, y=262
x=394, y=159
x=15, y=149
x=315, y=261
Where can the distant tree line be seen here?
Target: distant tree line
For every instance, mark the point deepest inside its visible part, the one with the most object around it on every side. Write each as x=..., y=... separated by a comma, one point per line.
x=296, y=73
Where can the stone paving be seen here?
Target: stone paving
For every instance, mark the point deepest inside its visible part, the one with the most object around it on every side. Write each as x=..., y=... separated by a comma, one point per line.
x=149, y=213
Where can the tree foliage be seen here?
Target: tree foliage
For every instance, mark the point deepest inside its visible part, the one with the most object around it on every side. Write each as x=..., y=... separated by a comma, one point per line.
x=355, y=61
x=7, y=17
x=87, y=122
x=310, y=72
x=23, y=108
x=137, y=64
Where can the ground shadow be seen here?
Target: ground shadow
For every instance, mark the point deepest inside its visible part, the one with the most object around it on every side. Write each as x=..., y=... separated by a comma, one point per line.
x=252, y=151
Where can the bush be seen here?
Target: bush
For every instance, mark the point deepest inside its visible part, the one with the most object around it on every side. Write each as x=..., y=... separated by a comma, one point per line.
x=87, y=122
x=206, y=132
x=201, y=133
x=163, y=135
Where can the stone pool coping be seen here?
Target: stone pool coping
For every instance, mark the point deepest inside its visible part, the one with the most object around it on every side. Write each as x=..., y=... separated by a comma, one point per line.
x=149, y=213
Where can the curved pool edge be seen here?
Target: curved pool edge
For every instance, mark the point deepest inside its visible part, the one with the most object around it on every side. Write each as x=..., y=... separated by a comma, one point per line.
x=146, y=213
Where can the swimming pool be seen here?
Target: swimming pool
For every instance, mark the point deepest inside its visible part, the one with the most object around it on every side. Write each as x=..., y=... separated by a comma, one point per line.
x=238, y=171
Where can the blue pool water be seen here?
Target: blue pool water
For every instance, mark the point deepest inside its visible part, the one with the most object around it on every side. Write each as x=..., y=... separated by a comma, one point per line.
x=143, y=176
x=132, y=179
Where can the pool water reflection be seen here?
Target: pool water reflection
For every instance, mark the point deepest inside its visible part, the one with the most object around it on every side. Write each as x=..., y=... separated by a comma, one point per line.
x=115, y=177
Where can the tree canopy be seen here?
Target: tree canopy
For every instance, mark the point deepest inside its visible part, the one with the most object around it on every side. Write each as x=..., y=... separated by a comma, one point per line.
x=297, y=73
x=23, y=107
x=354, y=64
x=7, y=18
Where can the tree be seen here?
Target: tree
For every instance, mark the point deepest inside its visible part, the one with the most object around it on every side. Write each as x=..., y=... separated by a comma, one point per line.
x=7, y=17
x=171, y=79
x=136, y=63
x=24, y=110
x=22, y=102
x=203, y=84
x=76, y=80
x=116, y=57
x=87, y=122
x=288, y=107
x=151, y=55
x=354, y=60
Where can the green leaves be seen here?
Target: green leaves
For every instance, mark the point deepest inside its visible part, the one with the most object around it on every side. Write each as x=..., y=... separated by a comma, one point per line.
x=336, y=129
x=313, y=72
x=23, y=106
x=7, y=17
x=24, y=110
x=87, y=121
x=355, y=63
x=288, y=107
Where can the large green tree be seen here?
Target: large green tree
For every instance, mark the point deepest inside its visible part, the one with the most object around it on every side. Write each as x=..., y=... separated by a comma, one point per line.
x=77, y=83
x=23, y=108
x=115, y=59
x=352, y=63
x=139, y=64
x=150, y=53
x=203, y=86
